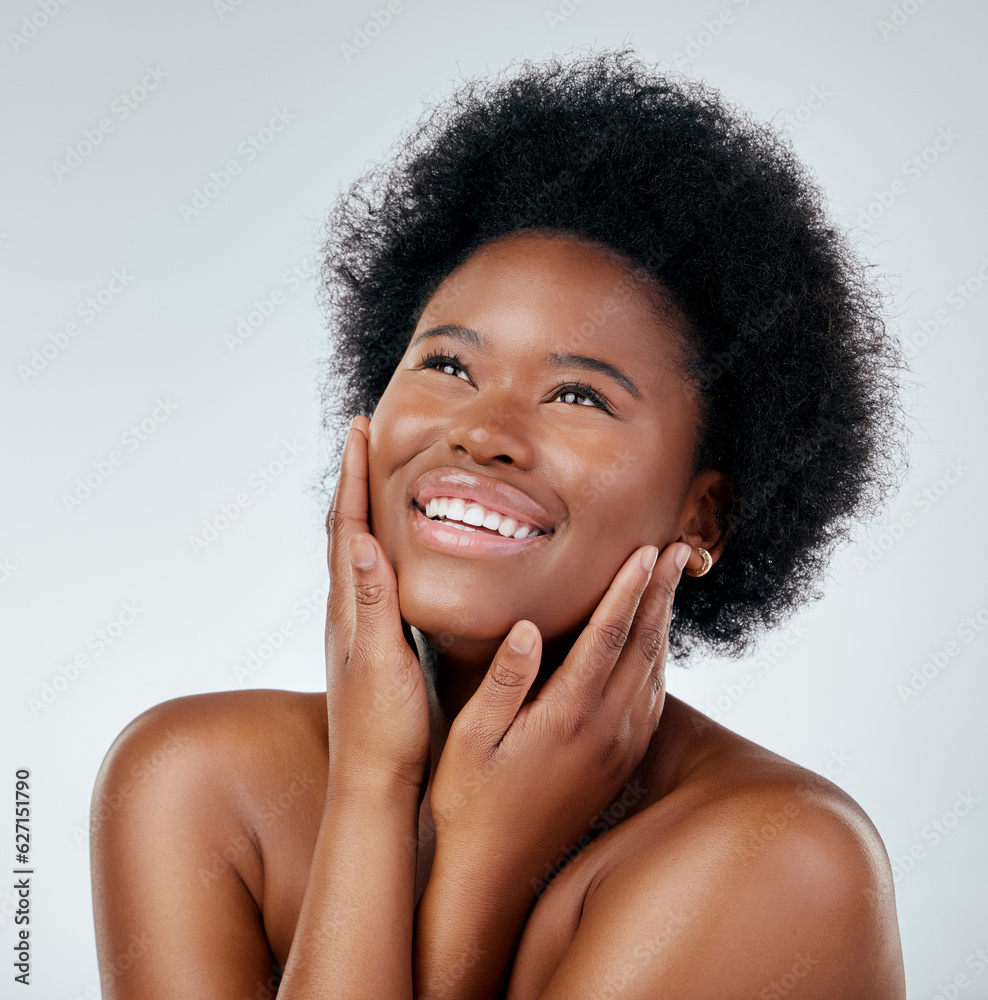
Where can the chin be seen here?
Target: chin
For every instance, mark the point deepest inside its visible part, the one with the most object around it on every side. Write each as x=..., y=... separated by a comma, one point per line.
x=446, y=626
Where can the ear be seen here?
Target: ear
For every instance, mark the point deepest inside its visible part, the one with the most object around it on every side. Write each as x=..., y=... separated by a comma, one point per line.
x=700, y=524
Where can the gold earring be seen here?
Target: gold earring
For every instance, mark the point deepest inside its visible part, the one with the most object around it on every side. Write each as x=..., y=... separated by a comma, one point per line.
x=707, y=563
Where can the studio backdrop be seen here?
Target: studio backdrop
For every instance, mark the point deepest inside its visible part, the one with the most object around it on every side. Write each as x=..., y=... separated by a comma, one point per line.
x=167, y=171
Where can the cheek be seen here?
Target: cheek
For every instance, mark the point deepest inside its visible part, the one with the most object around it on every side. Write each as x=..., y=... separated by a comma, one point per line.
x=381, y=461
x=403, y=422
x=619, y=509
x=398, y=434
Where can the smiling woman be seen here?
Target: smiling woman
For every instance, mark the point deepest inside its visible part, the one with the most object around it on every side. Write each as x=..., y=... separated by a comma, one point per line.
x=592, y=329
x=507, y=424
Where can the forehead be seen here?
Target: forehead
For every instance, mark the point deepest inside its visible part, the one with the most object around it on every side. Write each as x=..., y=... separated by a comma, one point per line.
x=529, y=290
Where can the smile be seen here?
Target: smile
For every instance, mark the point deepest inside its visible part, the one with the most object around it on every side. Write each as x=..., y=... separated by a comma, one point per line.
x=472, y=515
x=458, y=538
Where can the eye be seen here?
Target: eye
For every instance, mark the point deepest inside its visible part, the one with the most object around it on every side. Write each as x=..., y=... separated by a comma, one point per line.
x=587, y=392
x=441, y=361
x=450, y=364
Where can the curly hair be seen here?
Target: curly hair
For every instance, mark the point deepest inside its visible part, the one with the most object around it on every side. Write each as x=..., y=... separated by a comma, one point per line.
x=788, y=342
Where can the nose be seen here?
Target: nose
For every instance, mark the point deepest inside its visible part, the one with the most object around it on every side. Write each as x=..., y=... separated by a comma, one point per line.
x=492, y=428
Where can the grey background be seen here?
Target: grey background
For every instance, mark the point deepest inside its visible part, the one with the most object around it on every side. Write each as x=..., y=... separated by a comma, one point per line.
x=862, y=89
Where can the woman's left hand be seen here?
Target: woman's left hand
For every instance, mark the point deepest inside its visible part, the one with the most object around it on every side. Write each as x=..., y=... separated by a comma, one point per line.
x=517, y=784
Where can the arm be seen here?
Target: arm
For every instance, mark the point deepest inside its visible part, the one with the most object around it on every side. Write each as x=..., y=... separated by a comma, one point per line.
x=173, y=917
x=172, y=863
x=467, y=927
x=354, y=933
x=172, y=859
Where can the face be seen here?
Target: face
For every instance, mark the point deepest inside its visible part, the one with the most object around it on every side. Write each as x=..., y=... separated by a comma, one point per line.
x=551, y=395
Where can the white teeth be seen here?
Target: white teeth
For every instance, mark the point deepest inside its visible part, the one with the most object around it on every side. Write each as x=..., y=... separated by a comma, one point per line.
x=508, y=526
x=436, y=507
x=475, y=516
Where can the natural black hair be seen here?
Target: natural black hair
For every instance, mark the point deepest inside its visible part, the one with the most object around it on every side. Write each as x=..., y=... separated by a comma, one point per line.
x=787, y=340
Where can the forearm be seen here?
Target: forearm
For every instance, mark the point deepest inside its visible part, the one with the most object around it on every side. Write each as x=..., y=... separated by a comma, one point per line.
x=353, y=938
x=467, y=927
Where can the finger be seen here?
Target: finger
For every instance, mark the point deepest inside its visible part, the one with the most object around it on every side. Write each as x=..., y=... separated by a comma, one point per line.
x=348, y=512
x=640, y=667
x=493, y=706
x=585, y=670
x=377, y=629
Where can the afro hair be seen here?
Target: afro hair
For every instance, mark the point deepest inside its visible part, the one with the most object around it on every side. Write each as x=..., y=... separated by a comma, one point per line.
x=788, y=343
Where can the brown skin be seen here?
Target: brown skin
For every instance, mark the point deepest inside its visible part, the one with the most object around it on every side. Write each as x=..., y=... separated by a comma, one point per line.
x=387, y=839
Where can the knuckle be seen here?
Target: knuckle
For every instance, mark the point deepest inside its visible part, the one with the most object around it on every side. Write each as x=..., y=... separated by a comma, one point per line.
x=658, y=682
x=611, y=748
x=399, y=693
x=575, y=726
x=667, y=593
x=649, y=639
x=612, y=635
x=463, y=734
x=505, y=676
x=578, y=721
x=370, y=593
x=655, y=612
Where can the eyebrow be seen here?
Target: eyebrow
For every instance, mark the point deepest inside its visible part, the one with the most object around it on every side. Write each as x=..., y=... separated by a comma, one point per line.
x=559, y=360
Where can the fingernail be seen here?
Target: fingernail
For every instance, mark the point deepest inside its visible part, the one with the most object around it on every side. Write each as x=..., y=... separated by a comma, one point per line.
x=682, y=556
x=649, y=554
x=363, y=555
x=521, y=638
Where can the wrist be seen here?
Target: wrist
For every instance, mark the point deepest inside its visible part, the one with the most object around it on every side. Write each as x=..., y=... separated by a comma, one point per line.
x=486, y=873
x=373, y=789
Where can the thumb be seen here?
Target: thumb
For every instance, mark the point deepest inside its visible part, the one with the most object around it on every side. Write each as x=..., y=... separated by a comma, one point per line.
x=376, y=615
x=494, y=704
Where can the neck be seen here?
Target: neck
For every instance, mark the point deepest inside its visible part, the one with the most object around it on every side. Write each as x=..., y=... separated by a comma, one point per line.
x=454, y=672
x=674, y=750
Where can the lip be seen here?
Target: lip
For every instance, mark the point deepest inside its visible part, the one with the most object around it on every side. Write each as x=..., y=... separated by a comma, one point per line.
x=455, y=541
x=448, y=481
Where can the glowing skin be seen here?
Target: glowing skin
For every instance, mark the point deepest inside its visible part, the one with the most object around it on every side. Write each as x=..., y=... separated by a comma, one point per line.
x=611, y=480
x=714, y=846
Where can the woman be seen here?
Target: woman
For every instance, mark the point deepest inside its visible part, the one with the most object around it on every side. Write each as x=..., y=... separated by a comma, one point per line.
x=605, y=333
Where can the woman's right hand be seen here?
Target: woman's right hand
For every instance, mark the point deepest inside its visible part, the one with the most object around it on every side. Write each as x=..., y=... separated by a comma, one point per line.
x=376, y=694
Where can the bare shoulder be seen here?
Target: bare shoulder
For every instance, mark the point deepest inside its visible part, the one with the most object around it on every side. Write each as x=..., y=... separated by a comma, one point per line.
x=781, y=870
x=194, y=740
x=750, y=876
x=232, y=722
x=750, y=804
x=177, y=855
x=231, y=753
